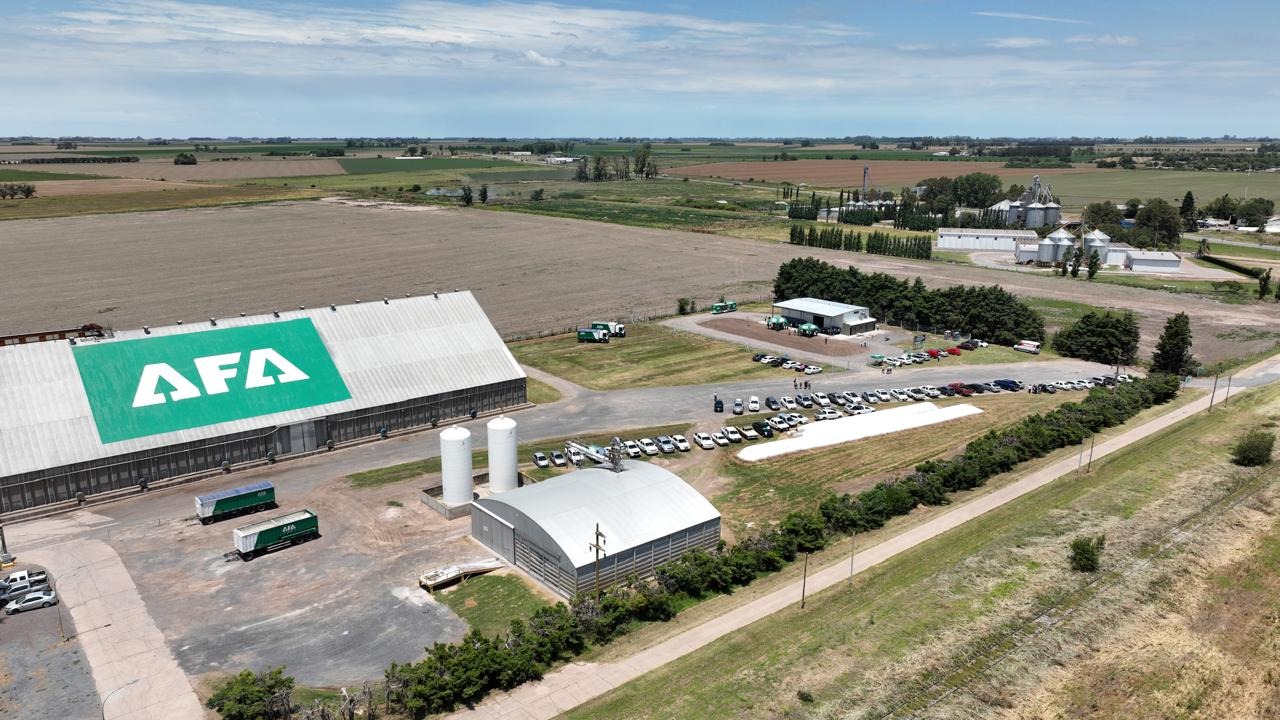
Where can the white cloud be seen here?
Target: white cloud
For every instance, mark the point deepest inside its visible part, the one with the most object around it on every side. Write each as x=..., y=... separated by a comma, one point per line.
x=913, y=47
x=1025, y=16
x=1117, y=40
x=1016, y=43
x=538, y=58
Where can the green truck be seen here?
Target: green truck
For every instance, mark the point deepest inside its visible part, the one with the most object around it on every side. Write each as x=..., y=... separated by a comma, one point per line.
x=615, y=329
x=235, y=501
x=267, y=535
x=593, y=335
x=724, y=307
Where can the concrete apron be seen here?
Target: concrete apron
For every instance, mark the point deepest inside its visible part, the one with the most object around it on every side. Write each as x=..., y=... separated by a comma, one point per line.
x=126, y=651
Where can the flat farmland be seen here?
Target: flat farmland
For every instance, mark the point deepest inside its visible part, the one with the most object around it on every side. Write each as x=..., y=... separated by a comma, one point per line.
x=533, y=274
x=103, y=186
x=887, y=174
x=157, y=168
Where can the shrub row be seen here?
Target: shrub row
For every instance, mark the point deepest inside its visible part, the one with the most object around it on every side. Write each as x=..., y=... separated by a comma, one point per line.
x=1252, y=272
x=79, y=160
x=877, y=242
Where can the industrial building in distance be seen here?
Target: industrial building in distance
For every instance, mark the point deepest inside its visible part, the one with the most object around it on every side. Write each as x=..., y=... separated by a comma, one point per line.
x=95, y=414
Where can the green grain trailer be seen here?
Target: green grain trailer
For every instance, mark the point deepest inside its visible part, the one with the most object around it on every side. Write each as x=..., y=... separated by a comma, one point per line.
x=592, y=335
x=267, y=535
x=235, y=501
x=724, y=307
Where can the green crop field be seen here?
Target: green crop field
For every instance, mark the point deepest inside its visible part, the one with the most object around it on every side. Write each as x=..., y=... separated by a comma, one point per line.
x=490, y=602
x=1075, y=190
x=859, y=647
x=186, y=197
x=7, y=174
x=650, y=356
x=1237, y=292
x=1058, y=313
x=1233, y=251
x=625, y=213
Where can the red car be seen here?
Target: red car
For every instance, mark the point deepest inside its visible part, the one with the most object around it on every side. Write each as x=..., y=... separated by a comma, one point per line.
x=954, y=351
x=934, y=353
x=960, y=389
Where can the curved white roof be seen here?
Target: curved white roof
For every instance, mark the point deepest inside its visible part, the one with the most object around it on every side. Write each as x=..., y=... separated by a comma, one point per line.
x=642, y=503
x=1097, y=235
x=1061, y=234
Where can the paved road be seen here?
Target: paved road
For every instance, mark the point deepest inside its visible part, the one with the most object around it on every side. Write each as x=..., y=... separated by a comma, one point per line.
x=577, y=683
x=1237, y=243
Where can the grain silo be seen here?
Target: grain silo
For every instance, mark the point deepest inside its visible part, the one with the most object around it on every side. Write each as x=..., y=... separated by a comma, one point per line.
x=1035, y=215
x=1052, y=213
x=502, y=455
x=1063, y=242
x=455, y=465
x=1045, y=250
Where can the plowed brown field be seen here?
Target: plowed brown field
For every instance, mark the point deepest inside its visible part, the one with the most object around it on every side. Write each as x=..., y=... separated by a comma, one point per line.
x=157, y=168
x=885, y=174
x=105, y=186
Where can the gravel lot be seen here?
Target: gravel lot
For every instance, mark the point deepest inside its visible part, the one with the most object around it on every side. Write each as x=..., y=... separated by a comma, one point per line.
x=531, y=273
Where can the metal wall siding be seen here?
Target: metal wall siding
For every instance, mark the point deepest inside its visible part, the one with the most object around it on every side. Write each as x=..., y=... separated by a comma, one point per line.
x=410, y=348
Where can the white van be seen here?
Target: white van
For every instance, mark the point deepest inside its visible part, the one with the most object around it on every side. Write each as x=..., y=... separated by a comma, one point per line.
x=1028, y=346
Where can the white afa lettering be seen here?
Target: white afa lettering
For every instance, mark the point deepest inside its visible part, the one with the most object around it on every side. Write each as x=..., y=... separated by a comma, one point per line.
x=148, y=394
x=214, y=372
x=257, y=375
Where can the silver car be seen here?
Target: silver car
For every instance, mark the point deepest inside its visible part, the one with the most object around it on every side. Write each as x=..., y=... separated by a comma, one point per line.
x=34, y=599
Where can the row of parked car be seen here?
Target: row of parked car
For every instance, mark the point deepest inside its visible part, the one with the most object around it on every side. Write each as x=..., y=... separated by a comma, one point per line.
x=25, y=590
x=1086, y=384
x=786, y=363
x=925, y=356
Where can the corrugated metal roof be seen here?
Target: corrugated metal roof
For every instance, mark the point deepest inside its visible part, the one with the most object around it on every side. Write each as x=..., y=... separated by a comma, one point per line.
x=1152, y=255
x=261, y=525
x=814, y=306
x=232, y=492
x=386, y=353
x=642, y=503
x=989, y=232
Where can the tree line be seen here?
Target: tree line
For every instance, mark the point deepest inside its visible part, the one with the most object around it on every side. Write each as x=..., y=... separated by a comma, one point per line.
x=79, y=160
x=988, y=312
x=16, y=190
x=877, y=242
x=1101, y=338
x=452, y=675
x=600, y=168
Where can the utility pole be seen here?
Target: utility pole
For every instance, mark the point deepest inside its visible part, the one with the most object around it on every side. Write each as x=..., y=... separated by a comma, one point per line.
x=1226, y=399
x=4, y=546
x=804, y=580
x=853, y=546
x=1214, y=392
x=1092, y=439
x=598, y=546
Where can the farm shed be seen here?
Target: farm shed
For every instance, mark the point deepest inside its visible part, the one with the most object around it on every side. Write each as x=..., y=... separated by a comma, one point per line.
x=646, y=515
x=1152, y=261
x=98, y=414
x=850, y=319
x=983, y=239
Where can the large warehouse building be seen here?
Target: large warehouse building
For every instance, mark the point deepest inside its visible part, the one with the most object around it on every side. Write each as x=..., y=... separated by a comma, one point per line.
x=645, y=514
x=983, y=239
x=848, y=319
x=92, y=415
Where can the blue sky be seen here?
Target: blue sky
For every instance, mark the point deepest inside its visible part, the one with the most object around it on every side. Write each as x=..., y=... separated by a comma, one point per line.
x=609, y=68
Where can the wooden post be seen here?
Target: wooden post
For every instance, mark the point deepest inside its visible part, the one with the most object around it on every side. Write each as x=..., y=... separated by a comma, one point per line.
x=598, y=546
x=804, y=580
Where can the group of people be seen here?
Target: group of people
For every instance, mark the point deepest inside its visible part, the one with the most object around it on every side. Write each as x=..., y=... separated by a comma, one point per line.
x=797, y=384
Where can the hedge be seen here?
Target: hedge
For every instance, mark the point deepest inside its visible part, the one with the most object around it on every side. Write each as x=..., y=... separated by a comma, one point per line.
x=1252, y=272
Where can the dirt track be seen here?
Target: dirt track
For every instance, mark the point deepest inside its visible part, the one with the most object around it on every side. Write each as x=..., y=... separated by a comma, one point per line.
x=752, y=329
x=531, y=273
x=885, y=174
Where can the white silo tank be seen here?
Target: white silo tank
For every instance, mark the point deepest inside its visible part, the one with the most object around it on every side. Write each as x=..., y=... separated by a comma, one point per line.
x=1035, y=215
x=1052, y=213
x=455, y=465
x=1045, y=250
x=502, y=455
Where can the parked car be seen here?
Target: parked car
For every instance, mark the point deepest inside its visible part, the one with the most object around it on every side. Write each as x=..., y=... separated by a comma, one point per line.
x=915, y=394
x=575, y=456
x=719, y=439
x=681, y=443
x=765, y=359
x=665, y=445
x=930, y=391
x=703, y=440
x=648, y=446
x=20, y=589
x=813, y=370
x=861, y=410
x=788, y=403
x=975, y=388
x=749, y=433
x=541, y=460
x=899, y=396
x=772, y=403
x=557, y=458
x=990, y=388
x=42, y=598
x=968, y=345
x=954, y=351
x=822, y=399
x=764, y=429
x=731, y=434
x=1064, y=385
x=827, y=414
x=891, y=362
x=779, y=423
x=758, y=357
x=796, y=418
x=946, y=391
x=737, y=406
x=870, y=397
x=753, y=404
x=718, y=405
x=1123, y=377
x=804, y=401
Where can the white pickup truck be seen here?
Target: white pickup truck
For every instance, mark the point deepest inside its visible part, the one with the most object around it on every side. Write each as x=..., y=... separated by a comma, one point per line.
x=21, y=577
